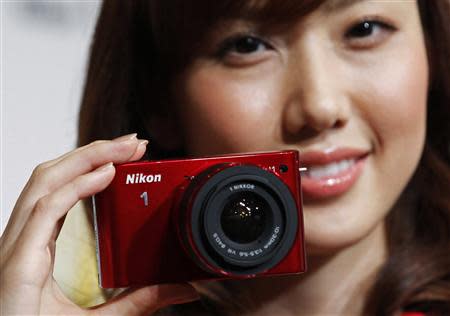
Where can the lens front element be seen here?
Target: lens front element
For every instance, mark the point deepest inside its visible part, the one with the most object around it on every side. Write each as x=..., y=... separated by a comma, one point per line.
x=245, y=217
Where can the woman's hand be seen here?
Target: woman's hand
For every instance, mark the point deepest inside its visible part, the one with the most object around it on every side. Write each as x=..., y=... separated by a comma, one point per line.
x=27, y=246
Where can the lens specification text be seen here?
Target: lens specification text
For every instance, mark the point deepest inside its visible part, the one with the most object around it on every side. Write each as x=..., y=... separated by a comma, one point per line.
x=252, y=253
x=273, y=238
x=235, y=252
x=242, y=186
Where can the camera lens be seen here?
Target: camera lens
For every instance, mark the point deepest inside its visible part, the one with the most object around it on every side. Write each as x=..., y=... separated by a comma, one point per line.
x=240, y=220
x=244, y=217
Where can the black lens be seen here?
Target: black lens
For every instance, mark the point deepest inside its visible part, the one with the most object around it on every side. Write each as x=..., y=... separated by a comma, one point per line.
x=244, y=217
x=242, y=220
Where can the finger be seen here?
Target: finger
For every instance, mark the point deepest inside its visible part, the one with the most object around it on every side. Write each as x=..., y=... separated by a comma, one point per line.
x=48, y=178
x=32, y=256
x=147, y=300
x=40, y=228
x=140, y=151
x=70, y=153
x=52, y=176
x=40, y=171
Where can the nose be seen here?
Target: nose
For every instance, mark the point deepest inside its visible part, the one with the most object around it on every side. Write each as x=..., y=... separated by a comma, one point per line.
x=317, y=98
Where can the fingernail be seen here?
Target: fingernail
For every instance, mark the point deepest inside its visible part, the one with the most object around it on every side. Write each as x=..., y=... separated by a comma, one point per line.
x=143, y=142
x=125, y=137
x=105, y=167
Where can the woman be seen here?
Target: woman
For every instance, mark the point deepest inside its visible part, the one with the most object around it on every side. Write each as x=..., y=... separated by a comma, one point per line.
x=361, y=88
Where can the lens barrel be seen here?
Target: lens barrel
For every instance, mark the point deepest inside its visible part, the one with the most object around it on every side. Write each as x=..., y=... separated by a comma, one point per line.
x=242, y=220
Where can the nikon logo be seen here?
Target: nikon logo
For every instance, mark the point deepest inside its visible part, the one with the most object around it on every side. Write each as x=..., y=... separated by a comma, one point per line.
x=142, y=178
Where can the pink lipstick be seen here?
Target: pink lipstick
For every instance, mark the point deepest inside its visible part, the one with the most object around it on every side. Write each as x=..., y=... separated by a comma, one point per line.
x=331, y=173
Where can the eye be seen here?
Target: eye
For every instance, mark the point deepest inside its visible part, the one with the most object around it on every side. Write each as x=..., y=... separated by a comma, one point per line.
x=368, y=33
x=245, y=45
x=242, y=46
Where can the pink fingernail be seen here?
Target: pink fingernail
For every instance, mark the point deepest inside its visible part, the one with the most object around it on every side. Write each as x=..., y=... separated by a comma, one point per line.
x=125, y=137
x=143, y=142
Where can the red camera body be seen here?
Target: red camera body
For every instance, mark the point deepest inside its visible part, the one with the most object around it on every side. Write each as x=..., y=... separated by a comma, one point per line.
x=171, y=221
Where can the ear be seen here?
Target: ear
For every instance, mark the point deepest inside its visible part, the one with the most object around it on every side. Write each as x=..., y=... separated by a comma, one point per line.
x=166, y=132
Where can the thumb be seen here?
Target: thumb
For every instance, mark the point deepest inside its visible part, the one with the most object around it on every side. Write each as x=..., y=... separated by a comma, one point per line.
x=147, y=300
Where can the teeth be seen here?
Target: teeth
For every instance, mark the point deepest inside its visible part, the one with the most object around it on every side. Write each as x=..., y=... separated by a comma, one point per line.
x=331, y=169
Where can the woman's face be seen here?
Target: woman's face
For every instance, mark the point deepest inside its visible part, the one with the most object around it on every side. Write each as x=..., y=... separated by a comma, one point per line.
x=345, y=85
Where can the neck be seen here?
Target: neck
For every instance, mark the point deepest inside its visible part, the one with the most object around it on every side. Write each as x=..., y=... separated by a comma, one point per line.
x=333, y=285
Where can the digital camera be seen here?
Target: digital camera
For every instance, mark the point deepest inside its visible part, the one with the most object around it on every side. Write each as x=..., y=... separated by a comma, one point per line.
x=233, y=216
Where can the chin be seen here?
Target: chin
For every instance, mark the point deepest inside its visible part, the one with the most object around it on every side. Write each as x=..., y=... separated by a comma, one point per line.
x=327, y=242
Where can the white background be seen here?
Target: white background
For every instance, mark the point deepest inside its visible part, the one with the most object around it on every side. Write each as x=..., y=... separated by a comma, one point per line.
x=44, y=48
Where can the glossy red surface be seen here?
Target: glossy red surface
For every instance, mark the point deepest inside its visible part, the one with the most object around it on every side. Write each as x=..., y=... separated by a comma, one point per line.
x=139, y=244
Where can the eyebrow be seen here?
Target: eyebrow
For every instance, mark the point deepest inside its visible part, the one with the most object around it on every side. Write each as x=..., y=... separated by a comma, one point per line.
x=336, y=5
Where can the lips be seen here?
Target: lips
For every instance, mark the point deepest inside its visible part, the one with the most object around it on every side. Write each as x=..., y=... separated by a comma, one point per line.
x=331, y=173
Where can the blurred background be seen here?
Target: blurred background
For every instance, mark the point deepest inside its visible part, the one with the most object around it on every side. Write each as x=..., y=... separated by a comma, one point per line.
x=44, y=49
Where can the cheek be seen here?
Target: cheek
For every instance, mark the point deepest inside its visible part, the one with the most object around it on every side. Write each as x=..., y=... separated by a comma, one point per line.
x=402, y=123
x=396, y=95
x=222, y=112
x=397, y=114
x=389, y=103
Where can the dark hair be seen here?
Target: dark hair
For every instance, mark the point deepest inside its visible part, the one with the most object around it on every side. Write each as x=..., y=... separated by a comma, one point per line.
x=140, y=46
